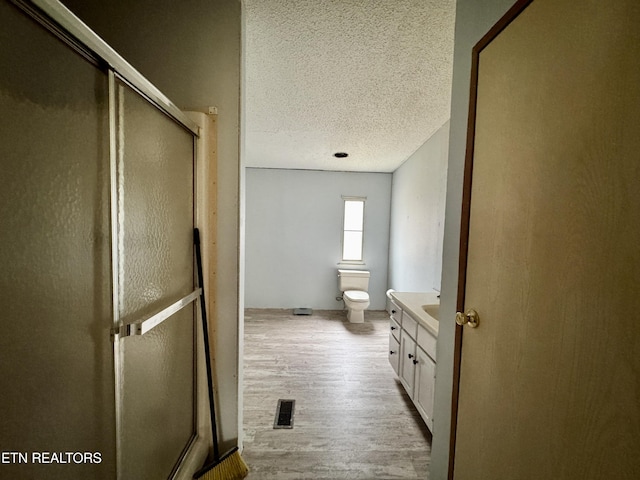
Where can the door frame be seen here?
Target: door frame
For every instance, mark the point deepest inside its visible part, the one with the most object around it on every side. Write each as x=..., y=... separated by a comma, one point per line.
x=493, y=32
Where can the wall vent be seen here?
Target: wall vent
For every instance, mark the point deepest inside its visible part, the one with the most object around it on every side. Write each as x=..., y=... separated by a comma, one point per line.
x=302, y=311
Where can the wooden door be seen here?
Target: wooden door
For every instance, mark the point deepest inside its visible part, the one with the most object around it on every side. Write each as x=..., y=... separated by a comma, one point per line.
x=549, y=382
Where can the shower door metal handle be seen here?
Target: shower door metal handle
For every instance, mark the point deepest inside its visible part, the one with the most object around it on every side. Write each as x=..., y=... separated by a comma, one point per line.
x=142, y=327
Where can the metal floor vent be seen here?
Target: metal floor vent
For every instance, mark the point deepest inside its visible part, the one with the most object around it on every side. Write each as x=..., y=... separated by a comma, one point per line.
x=302, y=311
x=284, y=414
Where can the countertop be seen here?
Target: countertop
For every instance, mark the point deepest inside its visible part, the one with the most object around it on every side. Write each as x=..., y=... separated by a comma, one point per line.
x=413, y=302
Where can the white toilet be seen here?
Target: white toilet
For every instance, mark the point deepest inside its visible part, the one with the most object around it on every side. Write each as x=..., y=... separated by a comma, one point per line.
x=354, y=285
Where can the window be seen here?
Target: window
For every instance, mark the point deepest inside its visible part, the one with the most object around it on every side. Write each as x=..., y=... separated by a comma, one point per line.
x=353, y=229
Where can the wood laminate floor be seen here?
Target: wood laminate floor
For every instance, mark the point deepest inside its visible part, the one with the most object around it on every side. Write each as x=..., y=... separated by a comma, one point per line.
x=353, y=419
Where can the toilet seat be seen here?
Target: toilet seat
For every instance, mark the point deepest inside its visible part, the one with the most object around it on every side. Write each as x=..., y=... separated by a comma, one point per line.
x=356, y=296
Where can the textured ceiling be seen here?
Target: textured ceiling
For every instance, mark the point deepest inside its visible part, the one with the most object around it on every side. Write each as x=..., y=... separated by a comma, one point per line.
x=368, y=77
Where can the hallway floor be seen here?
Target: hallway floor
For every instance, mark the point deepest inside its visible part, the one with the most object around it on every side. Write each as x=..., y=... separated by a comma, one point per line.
x=353, y=419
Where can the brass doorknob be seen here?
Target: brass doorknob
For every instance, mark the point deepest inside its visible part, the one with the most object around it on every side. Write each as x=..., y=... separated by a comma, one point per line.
x=470, y=318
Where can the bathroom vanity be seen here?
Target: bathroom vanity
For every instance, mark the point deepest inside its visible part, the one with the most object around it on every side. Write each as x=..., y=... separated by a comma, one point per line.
x=412, y=346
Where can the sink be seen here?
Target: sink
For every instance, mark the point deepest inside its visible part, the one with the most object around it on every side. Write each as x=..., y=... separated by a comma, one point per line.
x=432, y=310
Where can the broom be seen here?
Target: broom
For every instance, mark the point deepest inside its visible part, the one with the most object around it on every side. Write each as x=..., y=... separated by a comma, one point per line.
x=230, y=466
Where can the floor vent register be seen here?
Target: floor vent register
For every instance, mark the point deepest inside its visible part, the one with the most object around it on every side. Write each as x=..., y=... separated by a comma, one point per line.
x=284, y=414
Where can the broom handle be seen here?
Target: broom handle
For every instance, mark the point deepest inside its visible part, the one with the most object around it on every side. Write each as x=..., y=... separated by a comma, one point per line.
x=205, y=332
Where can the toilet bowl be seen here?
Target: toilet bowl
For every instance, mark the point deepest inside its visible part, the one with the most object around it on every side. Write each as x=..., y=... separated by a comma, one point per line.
x=356, y=303
x=354, y=285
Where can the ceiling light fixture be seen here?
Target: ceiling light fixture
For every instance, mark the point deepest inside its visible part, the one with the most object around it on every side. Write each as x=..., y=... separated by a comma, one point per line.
x=340, y=155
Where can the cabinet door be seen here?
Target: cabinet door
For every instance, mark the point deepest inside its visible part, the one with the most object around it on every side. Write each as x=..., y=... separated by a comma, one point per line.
x=424, y=386
x=407, y=358
x=394, y=353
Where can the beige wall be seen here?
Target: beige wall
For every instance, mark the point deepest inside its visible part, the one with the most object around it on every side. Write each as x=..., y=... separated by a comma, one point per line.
x=190, y=50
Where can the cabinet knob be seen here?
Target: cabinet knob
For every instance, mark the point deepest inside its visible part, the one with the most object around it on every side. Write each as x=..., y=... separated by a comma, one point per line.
x=415, y=362
x=410, y=355
x=393, y=311
x=393, y=328
x=391, y=352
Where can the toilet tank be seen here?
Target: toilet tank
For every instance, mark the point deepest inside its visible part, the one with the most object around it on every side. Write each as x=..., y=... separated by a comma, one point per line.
x=353, y=280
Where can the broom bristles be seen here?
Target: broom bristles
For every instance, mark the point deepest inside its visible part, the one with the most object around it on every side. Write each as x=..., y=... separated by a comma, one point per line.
x=230, y=467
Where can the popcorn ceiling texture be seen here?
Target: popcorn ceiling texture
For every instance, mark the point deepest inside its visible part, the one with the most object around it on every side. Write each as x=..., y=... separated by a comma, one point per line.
x=367, y=77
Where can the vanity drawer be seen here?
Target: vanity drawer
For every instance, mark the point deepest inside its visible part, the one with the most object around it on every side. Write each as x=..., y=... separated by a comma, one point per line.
x=409, y=325
x=396, y=312
x=394, y=328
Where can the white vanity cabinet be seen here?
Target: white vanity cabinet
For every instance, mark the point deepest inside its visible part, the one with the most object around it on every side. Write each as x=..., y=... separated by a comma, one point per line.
x=412, y=354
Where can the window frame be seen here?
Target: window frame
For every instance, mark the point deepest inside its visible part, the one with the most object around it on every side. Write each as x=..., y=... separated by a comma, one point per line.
x=345, y=199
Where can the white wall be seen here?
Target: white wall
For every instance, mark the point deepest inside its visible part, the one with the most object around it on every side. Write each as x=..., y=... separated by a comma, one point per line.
x=417, y=217
x=190, y=50
x=293, y=236
x=474, y=18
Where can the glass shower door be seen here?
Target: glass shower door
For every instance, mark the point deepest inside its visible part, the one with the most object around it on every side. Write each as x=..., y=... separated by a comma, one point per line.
x=97, y=289
x=56, y=385
x=154, y=280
